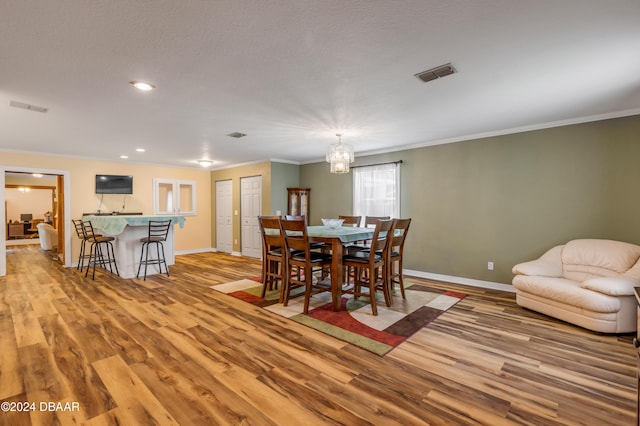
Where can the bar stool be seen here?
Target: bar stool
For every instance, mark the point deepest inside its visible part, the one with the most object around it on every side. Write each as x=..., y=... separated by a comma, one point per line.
x=157, y=235
x=101, y=246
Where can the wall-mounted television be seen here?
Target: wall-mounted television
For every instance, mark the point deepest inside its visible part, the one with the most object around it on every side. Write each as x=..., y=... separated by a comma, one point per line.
x=114, y=184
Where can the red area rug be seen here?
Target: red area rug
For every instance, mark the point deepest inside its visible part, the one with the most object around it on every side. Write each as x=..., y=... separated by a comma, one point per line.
x=355, y=323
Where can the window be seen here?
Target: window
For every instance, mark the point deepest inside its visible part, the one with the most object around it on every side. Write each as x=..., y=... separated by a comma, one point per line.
x=174, y=197
x=376, y=190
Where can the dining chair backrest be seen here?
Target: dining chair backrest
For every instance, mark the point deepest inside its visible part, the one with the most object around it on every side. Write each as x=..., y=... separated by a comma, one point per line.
x=295, y=235
x=400, y=230
x=370, y=221
x=270, y=229
x=296, y=217
x=382, y=237
x=350, y=220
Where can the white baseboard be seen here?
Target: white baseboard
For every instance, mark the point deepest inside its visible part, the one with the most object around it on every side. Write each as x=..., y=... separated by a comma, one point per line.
x=460, y=280
x=195, y=251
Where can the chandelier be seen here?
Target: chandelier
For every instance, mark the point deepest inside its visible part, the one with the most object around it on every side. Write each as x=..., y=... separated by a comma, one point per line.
x=340, y=156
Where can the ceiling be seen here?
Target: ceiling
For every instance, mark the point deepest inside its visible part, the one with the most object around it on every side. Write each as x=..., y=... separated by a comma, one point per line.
x=293, y=73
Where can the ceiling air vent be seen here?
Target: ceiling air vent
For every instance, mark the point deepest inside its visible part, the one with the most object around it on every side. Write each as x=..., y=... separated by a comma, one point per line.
x=437, y=72
x=237, y=135
x=29, y=107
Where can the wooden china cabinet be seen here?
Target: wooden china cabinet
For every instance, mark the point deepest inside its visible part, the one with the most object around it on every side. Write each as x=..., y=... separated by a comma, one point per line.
x=298, y=202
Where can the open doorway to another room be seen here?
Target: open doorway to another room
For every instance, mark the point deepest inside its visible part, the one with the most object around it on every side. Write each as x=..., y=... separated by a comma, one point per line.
x=33, y=212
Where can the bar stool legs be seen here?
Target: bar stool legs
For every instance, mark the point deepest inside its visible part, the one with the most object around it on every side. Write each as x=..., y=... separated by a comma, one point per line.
x=157, y=235
x=96, y=254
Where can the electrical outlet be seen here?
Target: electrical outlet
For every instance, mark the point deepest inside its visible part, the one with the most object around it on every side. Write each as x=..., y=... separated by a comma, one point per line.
x=490, y=266
x=235, y=241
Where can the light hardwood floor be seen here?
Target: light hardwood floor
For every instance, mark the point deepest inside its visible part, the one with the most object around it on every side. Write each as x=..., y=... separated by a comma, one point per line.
x=170, y=350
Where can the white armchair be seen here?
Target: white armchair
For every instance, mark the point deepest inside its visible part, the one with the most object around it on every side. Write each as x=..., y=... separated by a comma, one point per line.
x=587, y=282
x=48, y=236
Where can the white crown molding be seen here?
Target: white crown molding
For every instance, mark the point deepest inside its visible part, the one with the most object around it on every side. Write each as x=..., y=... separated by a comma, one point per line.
x=511, y=131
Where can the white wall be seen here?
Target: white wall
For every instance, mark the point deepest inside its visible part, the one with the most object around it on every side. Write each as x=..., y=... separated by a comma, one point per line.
x=34, y=201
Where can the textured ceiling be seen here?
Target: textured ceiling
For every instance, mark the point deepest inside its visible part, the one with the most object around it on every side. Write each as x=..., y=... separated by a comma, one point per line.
x=292, y=73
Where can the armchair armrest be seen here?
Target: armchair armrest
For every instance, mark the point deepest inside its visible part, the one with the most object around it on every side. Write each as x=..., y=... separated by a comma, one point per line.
x=612, y=286
x=548, y=265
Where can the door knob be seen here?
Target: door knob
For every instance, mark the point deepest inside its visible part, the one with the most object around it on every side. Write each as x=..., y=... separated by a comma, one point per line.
x=636, y=343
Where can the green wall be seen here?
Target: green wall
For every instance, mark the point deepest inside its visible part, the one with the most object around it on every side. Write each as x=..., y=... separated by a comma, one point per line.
x=505, y=199
x=283, y=176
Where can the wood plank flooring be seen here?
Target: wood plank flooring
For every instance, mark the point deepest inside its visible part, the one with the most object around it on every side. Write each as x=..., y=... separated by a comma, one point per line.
x=170, y=350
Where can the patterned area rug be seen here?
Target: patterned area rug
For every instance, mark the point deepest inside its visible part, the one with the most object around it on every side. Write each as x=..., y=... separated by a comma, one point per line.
x=355, y=323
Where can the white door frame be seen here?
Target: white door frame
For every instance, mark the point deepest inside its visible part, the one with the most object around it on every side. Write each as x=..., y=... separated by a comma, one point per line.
x=67, y=212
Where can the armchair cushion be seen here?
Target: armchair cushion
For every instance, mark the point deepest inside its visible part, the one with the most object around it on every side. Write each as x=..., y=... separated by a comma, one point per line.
x=548, y=265
x=613, y=286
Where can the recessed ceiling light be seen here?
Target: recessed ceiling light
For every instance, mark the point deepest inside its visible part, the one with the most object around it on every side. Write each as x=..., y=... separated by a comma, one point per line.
x=141, y=85
x=205, y=163
x=140, y=149
x=124, y=156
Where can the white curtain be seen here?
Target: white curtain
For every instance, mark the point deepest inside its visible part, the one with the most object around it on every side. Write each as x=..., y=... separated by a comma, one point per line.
x=376, y=190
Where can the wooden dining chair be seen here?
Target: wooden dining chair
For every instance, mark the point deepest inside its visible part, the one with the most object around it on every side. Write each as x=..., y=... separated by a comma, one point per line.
x=370, y=221
x=303, y=260
x=400, y=230
x=350, y=220
x=273, y=255
x=371, y=266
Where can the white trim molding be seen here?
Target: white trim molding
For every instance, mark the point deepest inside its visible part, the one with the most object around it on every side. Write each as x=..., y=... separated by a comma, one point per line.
x=460, y=280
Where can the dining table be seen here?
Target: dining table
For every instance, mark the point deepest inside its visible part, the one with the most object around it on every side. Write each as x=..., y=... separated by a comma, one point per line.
x=337, y=238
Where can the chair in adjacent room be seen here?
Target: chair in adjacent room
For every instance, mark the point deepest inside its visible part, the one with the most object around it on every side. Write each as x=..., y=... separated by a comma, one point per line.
x=157, y=234
x=101, y=250
x=400, y=230
x=350, y=220
x=48, y=236
x=303, y=260
x=371, y=266
x=273, y=254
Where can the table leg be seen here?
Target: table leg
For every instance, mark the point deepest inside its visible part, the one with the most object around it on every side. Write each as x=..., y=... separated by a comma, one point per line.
x=336, y=274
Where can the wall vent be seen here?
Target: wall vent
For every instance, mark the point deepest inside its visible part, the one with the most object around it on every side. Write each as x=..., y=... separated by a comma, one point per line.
x=29, y=107
x=237, y=135
x=437, y=72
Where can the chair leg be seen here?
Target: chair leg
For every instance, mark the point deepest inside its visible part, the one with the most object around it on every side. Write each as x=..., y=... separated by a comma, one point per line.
x=372, y=291
x=308, y=278
x=81, y=257
x=113, y=254
x=140, y=262
x=164, y=260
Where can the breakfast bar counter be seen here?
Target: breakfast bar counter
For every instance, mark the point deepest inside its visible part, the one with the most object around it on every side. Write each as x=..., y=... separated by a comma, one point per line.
x=128, y=230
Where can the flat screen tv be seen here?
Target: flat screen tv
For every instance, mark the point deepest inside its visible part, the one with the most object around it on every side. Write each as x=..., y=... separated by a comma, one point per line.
x=114, y=184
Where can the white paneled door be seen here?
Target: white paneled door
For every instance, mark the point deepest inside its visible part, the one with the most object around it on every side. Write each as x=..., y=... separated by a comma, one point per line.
x=224, y=216
x=251, y=208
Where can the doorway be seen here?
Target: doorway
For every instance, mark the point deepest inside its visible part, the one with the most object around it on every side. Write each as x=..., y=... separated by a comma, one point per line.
x=61, y=211
x=251, y=208
x=224, y=216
